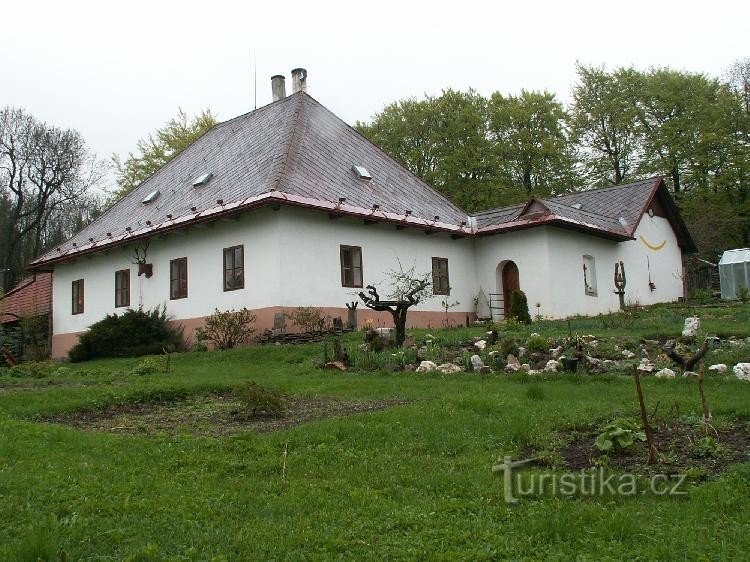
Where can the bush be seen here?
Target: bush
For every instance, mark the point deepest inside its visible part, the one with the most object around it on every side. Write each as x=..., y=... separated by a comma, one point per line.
x=10, y=339
x=33, y=369
x=151, y=365
x=508, y=347
x=227, y=329
x=537, y=344
x=259, y=400
x=519, y=307
x=134, y=333
x=308, y=318
x=36, y=342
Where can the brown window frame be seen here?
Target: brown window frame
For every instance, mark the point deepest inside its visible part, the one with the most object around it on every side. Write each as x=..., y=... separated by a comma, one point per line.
x=122, y=293
x=230, y=273
x=353, y=284
x=176, y=295
x=77, y=296
x=437, y=289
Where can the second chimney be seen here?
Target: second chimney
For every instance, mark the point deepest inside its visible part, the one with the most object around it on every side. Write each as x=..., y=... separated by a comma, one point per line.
x=278, y=87
x=299, y=80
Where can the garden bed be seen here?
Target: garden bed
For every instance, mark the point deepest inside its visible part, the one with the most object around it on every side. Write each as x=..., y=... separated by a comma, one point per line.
x=693, y=448
x=212, y=415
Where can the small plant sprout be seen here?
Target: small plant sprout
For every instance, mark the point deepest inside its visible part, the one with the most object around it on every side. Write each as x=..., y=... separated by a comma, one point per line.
x=618, y=435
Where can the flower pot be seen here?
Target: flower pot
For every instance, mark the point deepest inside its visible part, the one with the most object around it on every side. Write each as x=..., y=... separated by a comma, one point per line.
x=571, y=364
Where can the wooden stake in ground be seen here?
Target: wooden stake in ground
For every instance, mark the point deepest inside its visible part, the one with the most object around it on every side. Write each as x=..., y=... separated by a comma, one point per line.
x=644, y=417
x=706, y=411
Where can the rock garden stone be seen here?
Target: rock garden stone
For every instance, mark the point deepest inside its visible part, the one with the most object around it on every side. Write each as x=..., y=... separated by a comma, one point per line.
x=627, y=354
x=512, y=364
x=480, y=345
x=742, y=371
x=690, y=374
x=665, y=374
x=426, y=367
x=526, y=367
x=476, y=363
x=645, y=365
x=448, y=368
x=556, y=352
x=336, y=366
x=719, y=368
x=691, y=327
x=552, y=366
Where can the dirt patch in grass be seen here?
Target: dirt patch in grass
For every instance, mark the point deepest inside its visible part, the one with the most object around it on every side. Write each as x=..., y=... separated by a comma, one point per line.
x=702, y=450
x=212, y=415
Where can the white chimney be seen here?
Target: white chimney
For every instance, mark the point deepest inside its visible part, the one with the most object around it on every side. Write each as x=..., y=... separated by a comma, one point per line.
x=299, y=80
x=278, y=87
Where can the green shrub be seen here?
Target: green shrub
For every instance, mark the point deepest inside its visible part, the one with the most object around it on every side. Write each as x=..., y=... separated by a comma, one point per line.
x=537, y=344
x=743, y=293
x=508, y=347
x=33, y=369
x=519, y=307
x=133, y=333
x=227, y=329
x=619, y=435
x=701, y=295
x=10, y=339
x=258, y=400
x=151, y=365
x=308, y=318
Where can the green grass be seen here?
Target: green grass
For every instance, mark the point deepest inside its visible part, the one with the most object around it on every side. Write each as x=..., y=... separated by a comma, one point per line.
x=410, y=482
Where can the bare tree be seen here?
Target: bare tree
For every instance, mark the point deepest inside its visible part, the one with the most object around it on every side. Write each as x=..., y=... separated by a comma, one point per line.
x=45, y=172
x=408, y=289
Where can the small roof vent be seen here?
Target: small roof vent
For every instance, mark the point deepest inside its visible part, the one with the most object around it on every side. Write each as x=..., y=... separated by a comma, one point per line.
x=200, y=181
x=622, y=221
x=576, y=205
x=362, y=172
x=151, y=197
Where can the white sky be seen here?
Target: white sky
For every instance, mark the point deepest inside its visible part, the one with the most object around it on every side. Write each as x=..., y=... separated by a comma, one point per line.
x=117, y=71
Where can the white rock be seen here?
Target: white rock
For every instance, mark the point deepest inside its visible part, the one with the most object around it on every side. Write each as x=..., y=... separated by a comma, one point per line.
x=526, y=367
x=742, y=371
x=521, y=351
x=448, y=368
x=535, y=372
x=665, y=374
x=627, y=354
x=690, y=374
x=551, y=366
x=480, y=345
x=692, y=325
x=557, y=352
x=512, y=363
x=719, y=368
x=426, y=367
x=645, y=365
x=476, y=362
x=385, y=332
x=493, y=353
x=534, y=335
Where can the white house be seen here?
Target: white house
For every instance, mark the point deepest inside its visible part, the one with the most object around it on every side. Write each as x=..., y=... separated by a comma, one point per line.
x=289, y=206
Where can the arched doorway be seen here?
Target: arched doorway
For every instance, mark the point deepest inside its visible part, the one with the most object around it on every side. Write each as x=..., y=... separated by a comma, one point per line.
x=507, y=282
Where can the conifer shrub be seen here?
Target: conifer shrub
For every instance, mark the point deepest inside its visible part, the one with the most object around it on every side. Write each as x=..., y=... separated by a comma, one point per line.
x=133, y=333
x=519, y=307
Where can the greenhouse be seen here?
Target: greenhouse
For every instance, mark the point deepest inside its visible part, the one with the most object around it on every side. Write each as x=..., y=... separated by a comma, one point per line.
x=734, y=273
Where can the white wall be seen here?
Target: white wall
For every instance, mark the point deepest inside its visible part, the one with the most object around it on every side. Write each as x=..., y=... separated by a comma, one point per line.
x=203, y=247
x=292, y=259
x=311, y=272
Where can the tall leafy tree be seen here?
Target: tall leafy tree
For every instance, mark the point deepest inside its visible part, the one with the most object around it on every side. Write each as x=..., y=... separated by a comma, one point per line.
x=530, y=143
x=159, y=148
x=604, y=123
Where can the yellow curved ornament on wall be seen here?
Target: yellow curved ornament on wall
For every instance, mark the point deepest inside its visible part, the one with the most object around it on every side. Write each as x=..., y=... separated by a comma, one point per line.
x=653, y=247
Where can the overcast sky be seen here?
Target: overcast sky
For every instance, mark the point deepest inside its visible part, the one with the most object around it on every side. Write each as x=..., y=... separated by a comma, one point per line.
x=116, y=71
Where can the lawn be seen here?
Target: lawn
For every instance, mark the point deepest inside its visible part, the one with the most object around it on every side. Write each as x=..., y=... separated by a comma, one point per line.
x=409, y=479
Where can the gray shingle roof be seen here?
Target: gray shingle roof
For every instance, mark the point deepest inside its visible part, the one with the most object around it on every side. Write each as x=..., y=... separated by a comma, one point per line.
x=293, y=150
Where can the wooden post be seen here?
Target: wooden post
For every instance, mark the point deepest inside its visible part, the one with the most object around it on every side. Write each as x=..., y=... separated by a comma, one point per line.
x=644, y=418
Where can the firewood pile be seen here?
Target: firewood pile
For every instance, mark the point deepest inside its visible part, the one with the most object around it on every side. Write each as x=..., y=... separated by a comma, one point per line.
x=297, y=338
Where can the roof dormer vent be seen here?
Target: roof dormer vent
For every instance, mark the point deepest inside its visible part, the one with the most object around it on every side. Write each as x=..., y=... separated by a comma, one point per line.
x=361, y=172
x=151, y=197
x=200, y=181
x=576, y=205
x=623, y=222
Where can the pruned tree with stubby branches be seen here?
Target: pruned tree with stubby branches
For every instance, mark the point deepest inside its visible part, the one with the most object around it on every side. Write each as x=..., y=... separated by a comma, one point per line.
x=408, y=288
